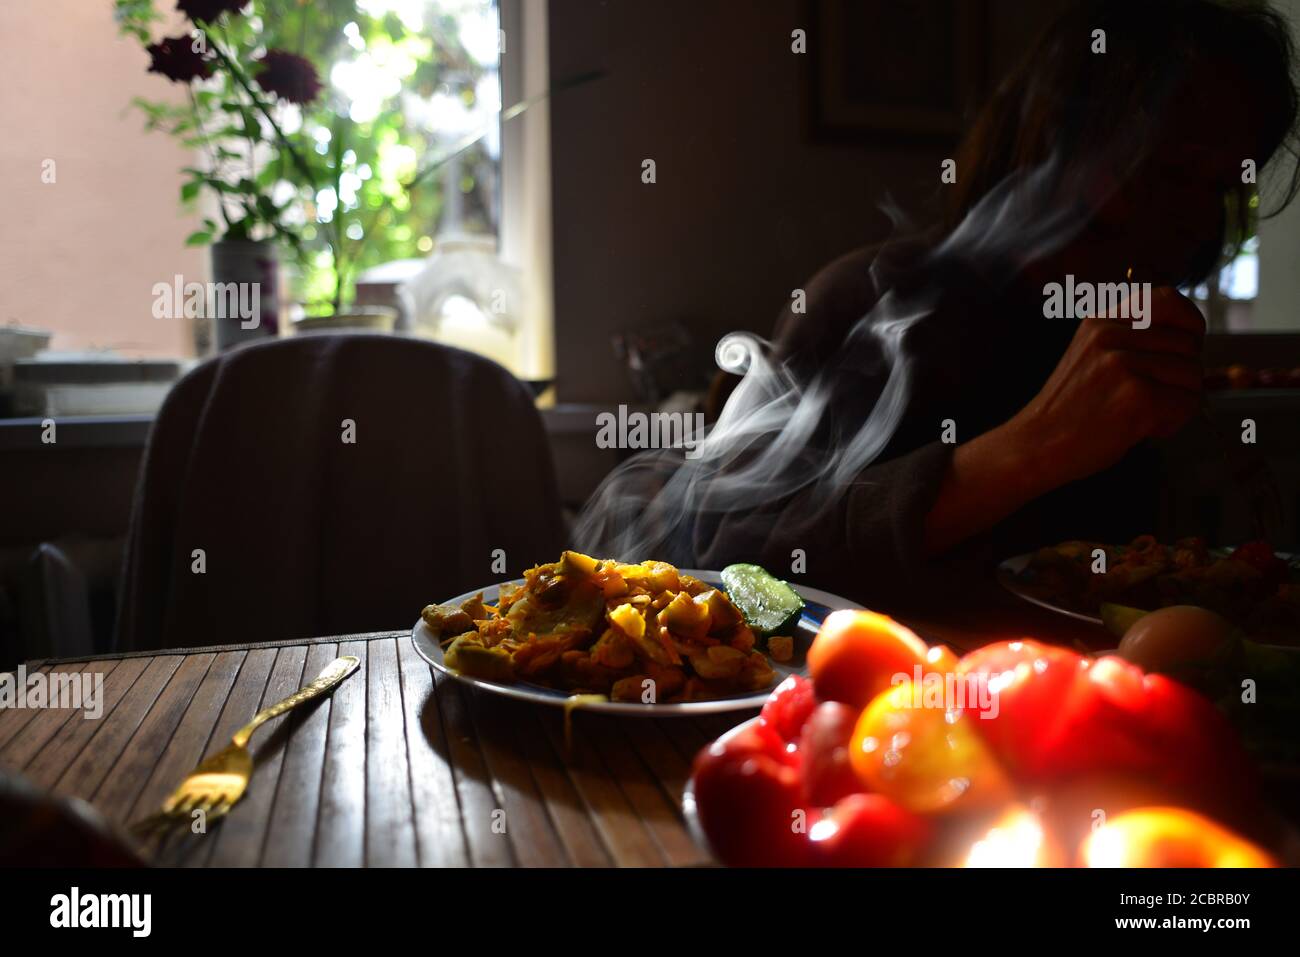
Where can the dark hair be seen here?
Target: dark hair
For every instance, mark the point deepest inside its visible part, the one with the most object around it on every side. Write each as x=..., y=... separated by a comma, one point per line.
x=1064, y=100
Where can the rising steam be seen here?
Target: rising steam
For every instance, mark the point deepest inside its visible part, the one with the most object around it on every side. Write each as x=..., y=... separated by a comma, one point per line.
x=782, y=433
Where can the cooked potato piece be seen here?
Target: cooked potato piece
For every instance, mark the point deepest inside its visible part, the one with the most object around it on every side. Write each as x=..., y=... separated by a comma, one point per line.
x=723, y=615
x=614, y=649
x=630, y=689
x=720, y=661
x=447, y=619
x=741, y=638
x=780, y=648
x=576, y=563
x=475, y=608
x=471, y=658
x=628, y=620
x=686, y=616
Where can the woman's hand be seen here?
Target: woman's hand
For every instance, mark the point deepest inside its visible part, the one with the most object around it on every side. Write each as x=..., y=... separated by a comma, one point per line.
x=1114, y=387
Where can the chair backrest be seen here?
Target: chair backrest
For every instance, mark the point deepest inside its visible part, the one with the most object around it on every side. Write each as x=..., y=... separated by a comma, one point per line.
x=332, y=484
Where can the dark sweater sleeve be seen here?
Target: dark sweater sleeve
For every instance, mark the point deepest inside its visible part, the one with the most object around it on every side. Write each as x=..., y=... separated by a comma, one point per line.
x=864, y=544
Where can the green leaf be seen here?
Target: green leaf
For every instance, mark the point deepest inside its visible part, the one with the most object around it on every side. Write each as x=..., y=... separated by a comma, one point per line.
x=199, y=238
x=393, y=26
x=190, y=190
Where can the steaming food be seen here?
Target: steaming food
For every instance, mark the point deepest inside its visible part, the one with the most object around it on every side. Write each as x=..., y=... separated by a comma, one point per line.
x=635, y=632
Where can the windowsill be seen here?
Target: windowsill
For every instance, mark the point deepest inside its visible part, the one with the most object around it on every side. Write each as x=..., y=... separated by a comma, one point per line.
x=77, y=432
x=132, y=431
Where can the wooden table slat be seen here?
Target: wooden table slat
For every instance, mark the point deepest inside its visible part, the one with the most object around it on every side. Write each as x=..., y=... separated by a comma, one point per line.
x=47, y=723
x=13, y=720
x=568, y=812
x=617, y=822
x=479, y=805
x=341, y=822
x=78, y=762
x=185, y=749
x=241, y=703
x=684, y=735
x=626, y=769
x=242, y=834
x=291, y=830
x=525, y=820
x=390, y=821
x=440, y=837
x=121, y=787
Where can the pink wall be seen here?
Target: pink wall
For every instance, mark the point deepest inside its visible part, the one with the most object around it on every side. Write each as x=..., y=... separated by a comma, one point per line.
x=81, y=255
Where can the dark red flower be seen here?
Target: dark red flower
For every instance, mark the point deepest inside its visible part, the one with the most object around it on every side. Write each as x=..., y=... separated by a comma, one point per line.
x=208, y=10
x=174, y=58
x=288, y=76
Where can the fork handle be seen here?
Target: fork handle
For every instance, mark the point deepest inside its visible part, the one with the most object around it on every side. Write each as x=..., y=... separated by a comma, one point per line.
x=333, y=674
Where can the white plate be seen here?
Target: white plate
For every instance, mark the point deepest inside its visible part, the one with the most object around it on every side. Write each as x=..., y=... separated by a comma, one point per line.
x=1009, y=576
x=818, y=604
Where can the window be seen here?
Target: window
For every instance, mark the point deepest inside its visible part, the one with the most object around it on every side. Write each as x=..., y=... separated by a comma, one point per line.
x=418, y=148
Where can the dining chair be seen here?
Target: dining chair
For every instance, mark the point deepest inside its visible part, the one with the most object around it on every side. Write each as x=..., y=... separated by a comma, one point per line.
x=332, y=484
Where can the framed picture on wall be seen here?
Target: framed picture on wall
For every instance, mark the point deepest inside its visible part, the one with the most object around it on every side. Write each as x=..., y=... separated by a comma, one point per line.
x=901, y=70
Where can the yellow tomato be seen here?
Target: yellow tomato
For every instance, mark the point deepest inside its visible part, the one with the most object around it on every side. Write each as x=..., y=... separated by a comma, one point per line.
x=925, y=756
x=1169, y=837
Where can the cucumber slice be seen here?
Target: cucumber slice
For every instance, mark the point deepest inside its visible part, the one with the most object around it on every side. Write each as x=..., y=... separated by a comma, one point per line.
x=1118, y=619
x=769, y=605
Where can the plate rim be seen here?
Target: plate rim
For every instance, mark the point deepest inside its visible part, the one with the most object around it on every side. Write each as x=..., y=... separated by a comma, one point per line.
x=1009, y=568
x=625, y=708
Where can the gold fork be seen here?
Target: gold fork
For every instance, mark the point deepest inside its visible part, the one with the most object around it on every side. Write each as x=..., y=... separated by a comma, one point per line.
x=216, y=785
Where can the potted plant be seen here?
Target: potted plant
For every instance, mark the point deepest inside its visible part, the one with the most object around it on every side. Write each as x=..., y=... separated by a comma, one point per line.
x=295, y=161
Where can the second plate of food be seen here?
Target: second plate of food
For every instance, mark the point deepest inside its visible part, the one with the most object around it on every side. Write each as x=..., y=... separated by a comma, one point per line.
x=430, y=644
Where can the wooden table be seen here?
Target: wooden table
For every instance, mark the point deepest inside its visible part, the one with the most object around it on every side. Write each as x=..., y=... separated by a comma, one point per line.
x=401, y=766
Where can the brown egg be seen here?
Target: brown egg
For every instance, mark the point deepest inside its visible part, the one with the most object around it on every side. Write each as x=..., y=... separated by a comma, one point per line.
x=1178, y=637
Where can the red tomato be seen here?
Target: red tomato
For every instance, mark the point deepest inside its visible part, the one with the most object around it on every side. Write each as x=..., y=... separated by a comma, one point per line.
x=1028, y=682
x=1061, y=716
x=788, y=707
x=755, y=737
x=750, y=807
x=1120, y=719
x=1261, y=557
x=827, y=773
x=856, y=654
x=868, y=830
